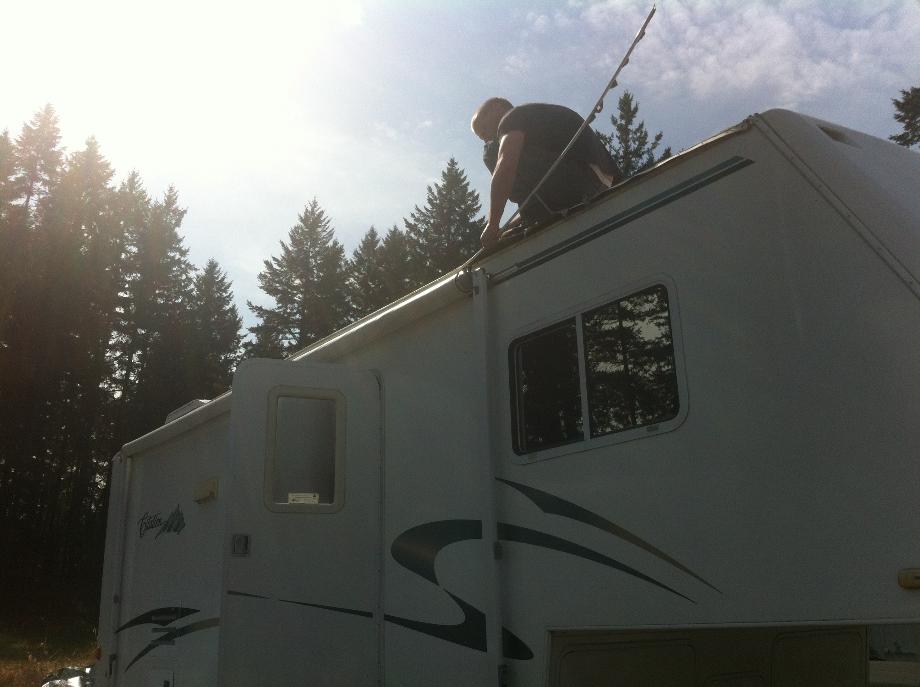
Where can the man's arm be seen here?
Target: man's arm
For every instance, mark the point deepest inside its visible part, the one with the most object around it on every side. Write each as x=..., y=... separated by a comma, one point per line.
x=509, y=152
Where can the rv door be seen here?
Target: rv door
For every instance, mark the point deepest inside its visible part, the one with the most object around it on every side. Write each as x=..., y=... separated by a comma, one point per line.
x=302, y=583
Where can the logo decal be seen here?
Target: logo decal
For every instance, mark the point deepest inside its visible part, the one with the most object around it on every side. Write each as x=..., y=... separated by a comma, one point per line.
x=174, y=523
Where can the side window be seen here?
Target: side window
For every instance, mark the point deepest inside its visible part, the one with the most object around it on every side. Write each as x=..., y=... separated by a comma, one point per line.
x=629, y=363
x=607, y=370
x=546, y=393
x=304, y=452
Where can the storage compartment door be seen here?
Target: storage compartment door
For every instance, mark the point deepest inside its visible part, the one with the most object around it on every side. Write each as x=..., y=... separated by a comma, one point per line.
x=302, y=585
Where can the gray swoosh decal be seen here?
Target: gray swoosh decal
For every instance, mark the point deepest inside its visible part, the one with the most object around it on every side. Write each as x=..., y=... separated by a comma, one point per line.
x=553, y=505
x=525, y=535
x=175, y=634
x=416, y=550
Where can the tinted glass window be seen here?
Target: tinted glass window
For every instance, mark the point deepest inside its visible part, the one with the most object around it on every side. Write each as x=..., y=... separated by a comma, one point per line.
x=629, y=362
x=304, y=469
x=546, y=393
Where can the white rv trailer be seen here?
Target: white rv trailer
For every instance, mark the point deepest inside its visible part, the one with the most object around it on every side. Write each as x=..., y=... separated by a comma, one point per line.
x=670, y=440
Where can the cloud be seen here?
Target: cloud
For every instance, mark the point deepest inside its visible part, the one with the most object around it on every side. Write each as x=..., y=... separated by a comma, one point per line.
x=561, y=19
x=608, y=14
x=789, y=52
x=537, y=22
x=386, y=130
x=517, y=63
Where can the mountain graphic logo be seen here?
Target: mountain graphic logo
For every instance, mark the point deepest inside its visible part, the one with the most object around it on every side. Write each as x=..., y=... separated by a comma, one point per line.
x=174, y=523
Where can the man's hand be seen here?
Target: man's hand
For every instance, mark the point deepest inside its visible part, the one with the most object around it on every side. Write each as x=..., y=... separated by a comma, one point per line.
x=489, y=236
x=509, y=152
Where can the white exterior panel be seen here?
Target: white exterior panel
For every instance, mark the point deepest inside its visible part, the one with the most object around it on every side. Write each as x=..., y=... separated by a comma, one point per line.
x=172, y=559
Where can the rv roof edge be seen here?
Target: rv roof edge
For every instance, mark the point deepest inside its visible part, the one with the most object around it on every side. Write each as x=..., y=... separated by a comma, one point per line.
x=409, y=308
x=185, y=409
x=194, y=418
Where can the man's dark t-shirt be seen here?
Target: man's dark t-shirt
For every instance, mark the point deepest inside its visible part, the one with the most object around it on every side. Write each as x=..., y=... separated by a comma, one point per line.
x=547, y=130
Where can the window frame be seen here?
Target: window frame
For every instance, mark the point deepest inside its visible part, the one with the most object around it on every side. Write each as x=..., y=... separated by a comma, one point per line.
x=576, y=311
x=516, y=425
x=338, y=501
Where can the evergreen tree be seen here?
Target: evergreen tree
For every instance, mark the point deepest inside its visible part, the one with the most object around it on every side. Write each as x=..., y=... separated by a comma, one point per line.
x=307, y=282
x=446, y=231
x=83, y=250
x=366, y=285
x=10, y=240
x=266, y=342
x=907, y=112
x=82, y=284
x=38, y=157
x=156, y=320
x=395, y=267
x=379, y=272
x=133, y=206
x=29, y=170
x=55, y=364
x=629, y=143
x=7, y=175
x=28, y=365
x=82, y=214
x=216, y=338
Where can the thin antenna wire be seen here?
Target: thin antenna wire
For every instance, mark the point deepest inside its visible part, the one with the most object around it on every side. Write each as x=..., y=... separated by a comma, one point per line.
x=596, y=110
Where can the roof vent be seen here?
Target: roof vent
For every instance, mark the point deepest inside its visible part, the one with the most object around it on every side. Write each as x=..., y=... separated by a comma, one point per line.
x=186, y=409
x=838, y=136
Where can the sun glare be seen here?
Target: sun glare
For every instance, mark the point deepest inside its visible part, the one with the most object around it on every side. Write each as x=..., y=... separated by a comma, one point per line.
x=173, y=78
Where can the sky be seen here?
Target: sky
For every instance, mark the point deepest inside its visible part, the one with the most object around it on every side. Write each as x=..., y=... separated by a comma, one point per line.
x=253, y=109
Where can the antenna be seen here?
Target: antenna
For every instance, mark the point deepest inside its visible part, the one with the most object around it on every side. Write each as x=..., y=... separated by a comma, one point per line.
x=596, y=110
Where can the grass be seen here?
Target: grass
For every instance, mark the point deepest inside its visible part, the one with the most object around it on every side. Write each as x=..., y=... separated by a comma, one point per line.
x=40, y=635
x=26, y=662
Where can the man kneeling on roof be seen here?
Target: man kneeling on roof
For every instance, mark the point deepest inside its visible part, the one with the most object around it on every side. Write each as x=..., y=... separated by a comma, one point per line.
x=522, y=143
